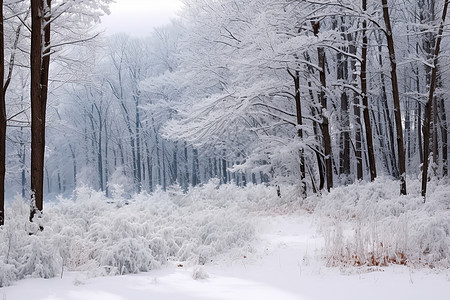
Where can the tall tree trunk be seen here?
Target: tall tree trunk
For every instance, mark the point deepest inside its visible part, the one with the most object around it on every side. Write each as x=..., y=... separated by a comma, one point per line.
x=319, y=158
x=444, y=132
x=296, y=77
x=396, y=96
x=175, y=163
x=149, y=167
x=2, y=122
x=186, y=169
x=356, y=111
x=74, y=166
x=100, y=150
x=224, y=171
x=325, y=121
x=387, y=116
x=106, y=160
x=427, y=120
x=40, y=61
x=138, y=143
x=344, y=139
x=419, y=120
x=164, y=173
x=158, y=158
x=363, y=77
x=195, y=168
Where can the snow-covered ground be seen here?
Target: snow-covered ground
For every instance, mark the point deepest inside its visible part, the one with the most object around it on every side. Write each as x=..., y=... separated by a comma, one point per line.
x=286, y=264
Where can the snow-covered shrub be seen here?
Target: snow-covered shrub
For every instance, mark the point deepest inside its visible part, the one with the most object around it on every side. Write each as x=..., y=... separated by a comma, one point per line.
x=106, y=236
x=199, y=273
x=370, y=224
x=8, y=274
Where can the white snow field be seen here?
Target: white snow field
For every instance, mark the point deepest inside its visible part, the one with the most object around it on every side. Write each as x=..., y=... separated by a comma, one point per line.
x=225, y=243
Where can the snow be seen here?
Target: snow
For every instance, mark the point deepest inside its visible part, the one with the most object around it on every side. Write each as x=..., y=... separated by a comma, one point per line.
x=260, y=246
x=286, y=266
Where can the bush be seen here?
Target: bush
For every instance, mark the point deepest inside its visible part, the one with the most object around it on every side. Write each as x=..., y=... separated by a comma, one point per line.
x=369, y=224
x=90, y=232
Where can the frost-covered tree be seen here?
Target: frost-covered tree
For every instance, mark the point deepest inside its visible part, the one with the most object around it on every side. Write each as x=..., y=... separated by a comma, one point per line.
x=43, y=14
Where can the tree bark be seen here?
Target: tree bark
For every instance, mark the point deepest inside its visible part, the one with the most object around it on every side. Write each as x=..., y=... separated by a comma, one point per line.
x=356, y=111
x=296, y=77
x=195, y=168
x=444, y=133
x=325, y=121
x=320, y=163
x=40, y=61
x=2, y=122
x=363, y=77
x=342, y=75
x=138, y=141
x=396, y=98
x=427, y=120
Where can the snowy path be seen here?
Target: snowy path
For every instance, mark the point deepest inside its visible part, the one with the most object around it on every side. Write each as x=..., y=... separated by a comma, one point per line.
x=285, y=267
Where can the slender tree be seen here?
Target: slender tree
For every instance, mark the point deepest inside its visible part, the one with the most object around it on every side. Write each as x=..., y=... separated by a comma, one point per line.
x=363, y=77
x=40, y=61
x=298, y=106
x=2, y=121
x=396, y=98
x=325, y=121
x=428, y=106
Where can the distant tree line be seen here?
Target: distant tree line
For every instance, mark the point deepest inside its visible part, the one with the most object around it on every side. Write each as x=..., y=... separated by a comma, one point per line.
x=314, y=93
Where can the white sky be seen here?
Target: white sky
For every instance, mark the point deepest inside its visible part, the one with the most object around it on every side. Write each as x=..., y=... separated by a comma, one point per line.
x=138, y=17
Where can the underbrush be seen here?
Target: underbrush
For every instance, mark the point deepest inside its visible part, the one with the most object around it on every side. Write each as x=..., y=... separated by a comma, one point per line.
x=103, y=236
x=369, y=224
x=364, y=224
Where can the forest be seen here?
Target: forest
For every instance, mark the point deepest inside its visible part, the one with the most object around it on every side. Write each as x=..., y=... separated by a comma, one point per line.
x=240, y=91
x=334, y=106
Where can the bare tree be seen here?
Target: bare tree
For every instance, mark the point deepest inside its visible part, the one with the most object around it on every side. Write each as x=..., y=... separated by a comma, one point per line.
x=363, y=77
x=40, y=61
x=396, y=97
x=325, y=122
x=2, y=122
x=427, y=120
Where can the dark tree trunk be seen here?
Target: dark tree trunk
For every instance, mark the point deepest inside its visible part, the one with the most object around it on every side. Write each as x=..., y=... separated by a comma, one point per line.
x=186, y=169
x=320, y=164
x=106, y=160
x=427, y=120
x=357, y=112
x=158, y=159
x=40, y=61
x=215, y=168
x=2, y=122
x=149, y=167
x=138, y=143
x=100, y=150
x=444, y=132
x=23, y=166
x=387, y=116
x=325, y=122
x=344, y=137
x=363, y=77
x=224, y=171
x=164, y=173
x=344, y=155
x=175, y=164
x=195, y=168
x=74, y=167
x=301, y=151
x=396, y=98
